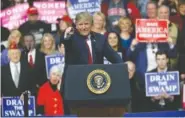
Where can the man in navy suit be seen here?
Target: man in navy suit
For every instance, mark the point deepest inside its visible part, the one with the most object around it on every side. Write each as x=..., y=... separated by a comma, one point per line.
x=85, y=47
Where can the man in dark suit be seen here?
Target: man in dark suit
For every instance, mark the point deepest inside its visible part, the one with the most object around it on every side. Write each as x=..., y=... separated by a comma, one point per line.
x=34, y=59
x=163, y=101
x=85, y=47
x=15, y=75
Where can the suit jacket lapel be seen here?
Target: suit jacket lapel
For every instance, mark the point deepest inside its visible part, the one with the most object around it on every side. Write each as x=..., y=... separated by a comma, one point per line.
x=36, y=56
x=82, y=46
x=93, y=44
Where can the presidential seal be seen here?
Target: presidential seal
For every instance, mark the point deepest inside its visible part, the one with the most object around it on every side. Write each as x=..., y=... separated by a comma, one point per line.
x=98, y=81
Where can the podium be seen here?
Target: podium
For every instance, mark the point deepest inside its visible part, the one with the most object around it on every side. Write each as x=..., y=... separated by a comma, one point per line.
x=97, y=90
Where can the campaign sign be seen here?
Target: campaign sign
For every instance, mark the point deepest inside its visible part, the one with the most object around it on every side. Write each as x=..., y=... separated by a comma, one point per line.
x=151, y=30
x=14, y=16
x=158, y=83
x=52, y=60
x=77, y=6
x=105, y=61
x=14, y=106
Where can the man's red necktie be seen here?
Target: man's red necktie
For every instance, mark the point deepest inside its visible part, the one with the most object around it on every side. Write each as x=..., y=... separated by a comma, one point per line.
x=31, y=61
x=90, y=61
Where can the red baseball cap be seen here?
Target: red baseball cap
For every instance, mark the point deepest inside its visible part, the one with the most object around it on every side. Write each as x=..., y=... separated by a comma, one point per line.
x=32, y=11
x=12, y=46
x=66, y=18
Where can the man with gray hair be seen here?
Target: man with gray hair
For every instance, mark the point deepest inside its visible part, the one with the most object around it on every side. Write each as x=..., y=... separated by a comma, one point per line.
x=164, y=13
x=82, y=46
x=86, y=47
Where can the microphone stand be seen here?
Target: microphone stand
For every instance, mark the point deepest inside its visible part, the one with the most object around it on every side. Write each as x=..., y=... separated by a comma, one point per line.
x=26, y=104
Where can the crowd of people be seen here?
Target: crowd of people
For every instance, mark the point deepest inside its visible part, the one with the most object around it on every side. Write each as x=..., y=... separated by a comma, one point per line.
x=23, y=51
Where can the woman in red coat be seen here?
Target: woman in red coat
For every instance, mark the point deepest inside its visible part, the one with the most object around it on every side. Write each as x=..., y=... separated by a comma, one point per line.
x=50, y=100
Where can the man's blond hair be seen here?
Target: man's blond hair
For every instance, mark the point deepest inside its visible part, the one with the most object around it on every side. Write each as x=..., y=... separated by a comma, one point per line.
x=84, y=16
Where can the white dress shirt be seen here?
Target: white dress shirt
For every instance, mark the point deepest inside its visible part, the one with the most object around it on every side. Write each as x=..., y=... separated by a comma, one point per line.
x=89, y=44
x=151, y=57
x=33, y=53
x=12, y=69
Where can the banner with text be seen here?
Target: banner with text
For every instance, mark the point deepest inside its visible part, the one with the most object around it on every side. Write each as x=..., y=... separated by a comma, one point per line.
x=14, y=16
x=77, y=6
x=158, y=83
x=151, y=30
x=52, y=60
x=14, y=106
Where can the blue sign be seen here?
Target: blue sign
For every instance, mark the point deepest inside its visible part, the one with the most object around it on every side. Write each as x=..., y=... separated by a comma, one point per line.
x=14, y=106
x=52, y=60
x=76, y=6
x=158, y=83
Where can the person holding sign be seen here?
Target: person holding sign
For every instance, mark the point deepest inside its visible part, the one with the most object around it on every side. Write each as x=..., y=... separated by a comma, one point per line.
x=85, y=47
x=50, y=100
x=143, y=55
x=15, y=76
x=163, y=101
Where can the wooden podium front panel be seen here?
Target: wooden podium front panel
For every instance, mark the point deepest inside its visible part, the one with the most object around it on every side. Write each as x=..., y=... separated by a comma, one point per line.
x=113, y=111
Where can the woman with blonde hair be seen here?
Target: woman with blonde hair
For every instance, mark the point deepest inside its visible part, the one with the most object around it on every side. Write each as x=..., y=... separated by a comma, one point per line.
x=99, y=23
x=15, y=36
x=126, y=29
x=48, y=44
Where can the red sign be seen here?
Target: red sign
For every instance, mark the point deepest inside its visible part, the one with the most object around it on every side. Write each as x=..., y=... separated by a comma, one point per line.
x=151, y=30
